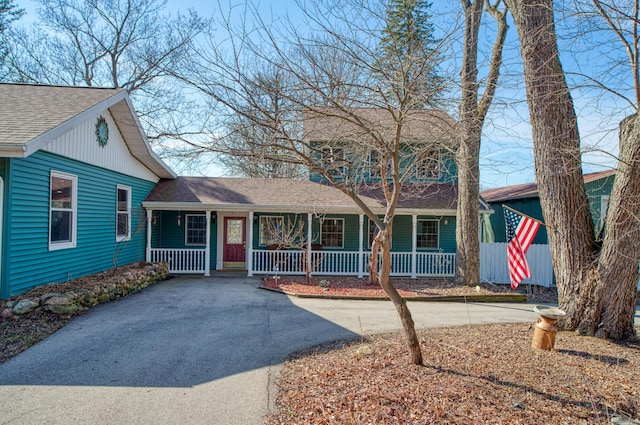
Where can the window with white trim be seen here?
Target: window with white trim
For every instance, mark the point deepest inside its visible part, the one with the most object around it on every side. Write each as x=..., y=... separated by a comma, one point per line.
x=428, y=168
x=427, y=236
x=195, y=229
x=63, y=205
x=332, y=233
x=123, y=213
x=270, y=229
x=334, y=160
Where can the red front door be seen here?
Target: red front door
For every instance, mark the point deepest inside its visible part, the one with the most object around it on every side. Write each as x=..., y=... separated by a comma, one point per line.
x=235, y=242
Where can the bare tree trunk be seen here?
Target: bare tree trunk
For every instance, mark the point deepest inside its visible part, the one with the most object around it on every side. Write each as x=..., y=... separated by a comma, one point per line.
x=373, y=263
x=556, y=145
x=399, y=302
x=618, y=261
x=595, y=287
x=472, y=115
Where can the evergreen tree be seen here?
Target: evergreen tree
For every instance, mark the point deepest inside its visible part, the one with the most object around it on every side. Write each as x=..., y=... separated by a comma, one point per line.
x=408, y=53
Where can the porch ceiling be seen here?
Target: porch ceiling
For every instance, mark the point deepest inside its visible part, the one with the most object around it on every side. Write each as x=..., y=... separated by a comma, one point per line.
x=288, y=195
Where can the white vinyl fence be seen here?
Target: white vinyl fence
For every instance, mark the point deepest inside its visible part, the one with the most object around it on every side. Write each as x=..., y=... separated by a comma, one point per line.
x=493, y=264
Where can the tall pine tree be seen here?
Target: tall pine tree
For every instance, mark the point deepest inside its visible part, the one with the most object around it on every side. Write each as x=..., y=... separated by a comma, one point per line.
x=408, y=54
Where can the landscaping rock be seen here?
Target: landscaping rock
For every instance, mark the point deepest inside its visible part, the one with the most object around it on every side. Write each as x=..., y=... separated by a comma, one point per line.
x=89, y=291
x=25, y=307
x=7, y=313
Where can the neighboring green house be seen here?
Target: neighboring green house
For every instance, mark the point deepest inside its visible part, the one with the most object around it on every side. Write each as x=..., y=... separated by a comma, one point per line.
x=199, y=224
x=74, y=168
x=524, y=198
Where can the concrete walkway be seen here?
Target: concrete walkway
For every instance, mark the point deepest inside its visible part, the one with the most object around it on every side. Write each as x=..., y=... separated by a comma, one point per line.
x=195, y=350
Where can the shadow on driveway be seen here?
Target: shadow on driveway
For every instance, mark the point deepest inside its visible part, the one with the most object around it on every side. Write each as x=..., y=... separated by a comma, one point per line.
x=179, y=333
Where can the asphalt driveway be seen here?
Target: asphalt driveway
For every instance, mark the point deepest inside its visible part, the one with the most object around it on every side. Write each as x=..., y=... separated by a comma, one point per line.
x=194, y=350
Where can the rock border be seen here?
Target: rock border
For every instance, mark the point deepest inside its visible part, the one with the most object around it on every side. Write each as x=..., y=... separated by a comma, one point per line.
x=81, y=294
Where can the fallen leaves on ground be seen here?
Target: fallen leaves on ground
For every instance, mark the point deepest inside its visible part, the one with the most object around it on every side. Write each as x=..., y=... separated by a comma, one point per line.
x=407, y=287
x=486, y=374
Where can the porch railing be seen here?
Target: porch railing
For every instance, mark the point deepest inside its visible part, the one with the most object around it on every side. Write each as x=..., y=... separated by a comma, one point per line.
x=292, y=262
x=180, y=260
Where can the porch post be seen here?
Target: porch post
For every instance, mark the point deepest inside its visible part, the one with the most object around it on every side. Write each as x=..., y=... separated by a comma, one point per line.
x=207, y=249
x=309, y=241
x=360, y=246
x=149, y=220
x=249, y=259
x=414, y=244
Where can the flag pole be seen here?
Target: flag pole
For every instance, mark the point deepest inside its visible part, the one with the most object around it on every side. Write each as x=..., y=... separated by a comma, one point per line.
x=524, y=215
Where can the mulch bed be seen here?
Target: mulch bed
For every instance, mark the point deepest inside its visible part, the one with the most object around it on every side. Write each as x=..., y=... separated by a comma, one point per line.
x=408, y=288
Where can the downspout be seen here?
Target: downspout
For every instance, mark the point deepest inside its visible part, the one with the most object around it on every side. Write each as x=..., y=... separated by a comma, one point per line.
x=149, y=222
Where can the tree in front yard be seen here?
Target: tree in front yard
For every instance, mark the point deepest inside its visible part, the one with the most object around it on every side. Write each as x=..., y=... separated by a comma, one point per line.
x=596, y=281
x=347, y=118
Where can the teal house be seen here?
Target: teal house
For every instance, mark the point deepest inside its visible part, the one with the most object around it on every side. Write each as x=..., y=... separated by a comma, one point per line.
x=74, y=168
x=82, y=192
x=286, y=226
x=524, y=198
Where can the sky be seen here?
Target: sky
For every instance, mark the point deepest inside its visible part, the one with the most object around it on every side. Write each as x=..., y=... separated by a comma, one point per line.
x=507, y=153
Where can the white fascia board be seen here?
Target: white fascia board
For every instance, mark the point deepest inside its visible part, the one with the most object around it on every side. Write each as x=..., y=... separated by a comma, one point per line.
x=142, y=151
x=11, y=150
x=45, y=138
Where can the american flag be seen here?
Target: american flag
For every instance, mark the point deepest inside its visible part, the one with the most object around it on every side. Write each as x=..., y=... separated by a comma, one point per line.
x=520, y=233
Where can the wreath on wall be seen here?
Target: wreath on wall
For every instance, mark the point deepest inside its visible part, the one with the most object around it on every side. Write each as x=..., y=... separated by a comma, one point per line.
x=102, y=131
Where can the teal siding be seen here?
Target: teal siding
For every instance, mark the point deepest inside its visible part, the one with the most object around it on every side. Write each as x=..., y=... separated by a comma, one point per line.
x=29, y=262
x=528, y=206
x=595, y=190
x=167, y=234
x=531, y=207
x=448, y=170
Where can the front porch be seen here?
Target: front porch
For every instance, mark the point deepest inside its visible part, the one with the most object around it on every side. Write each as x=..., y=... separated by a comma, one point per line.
x=319, y=263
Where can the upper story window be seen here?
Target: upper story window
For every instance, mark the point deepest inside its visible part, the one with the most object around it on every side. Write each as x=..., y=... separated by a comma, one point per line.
x=123, y=212
x=332, y=233
x=270, y=230
x=375, y=165
x=427, y=234
x=63, y=206
x=428, y=168
x=195, y=229
x=334, y=161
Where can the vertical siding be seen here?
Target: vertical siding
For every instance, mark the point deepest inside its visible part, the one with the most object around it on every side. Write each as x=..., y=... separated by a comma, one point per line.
x=81, y=144
x=29, y=261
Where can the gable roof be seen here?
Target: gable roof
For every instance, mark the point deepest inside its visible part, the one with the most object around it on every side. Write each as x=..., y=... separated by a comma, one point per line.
x=331, y=124
x=290, y=195
x=31, y=116
x=530, y=190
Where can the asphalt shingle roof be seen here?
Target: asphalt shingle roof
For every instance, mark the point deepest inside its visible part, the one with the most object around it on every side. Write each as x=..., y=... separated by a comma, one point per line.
x=27, y=111
x=530, y=190
x=291, y=194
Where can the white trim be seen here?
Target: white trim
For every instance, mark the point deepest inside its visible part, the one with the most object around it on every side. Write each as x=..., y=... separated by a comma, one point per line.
x=54, y=246
x=437, y=233
x=249, y=249
x=321, y=233
x=207, y=249
x=128, y=190
x=414, y=245
x=186, y=229
x=361, y=245
x=260, y=217
x=149, y=231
